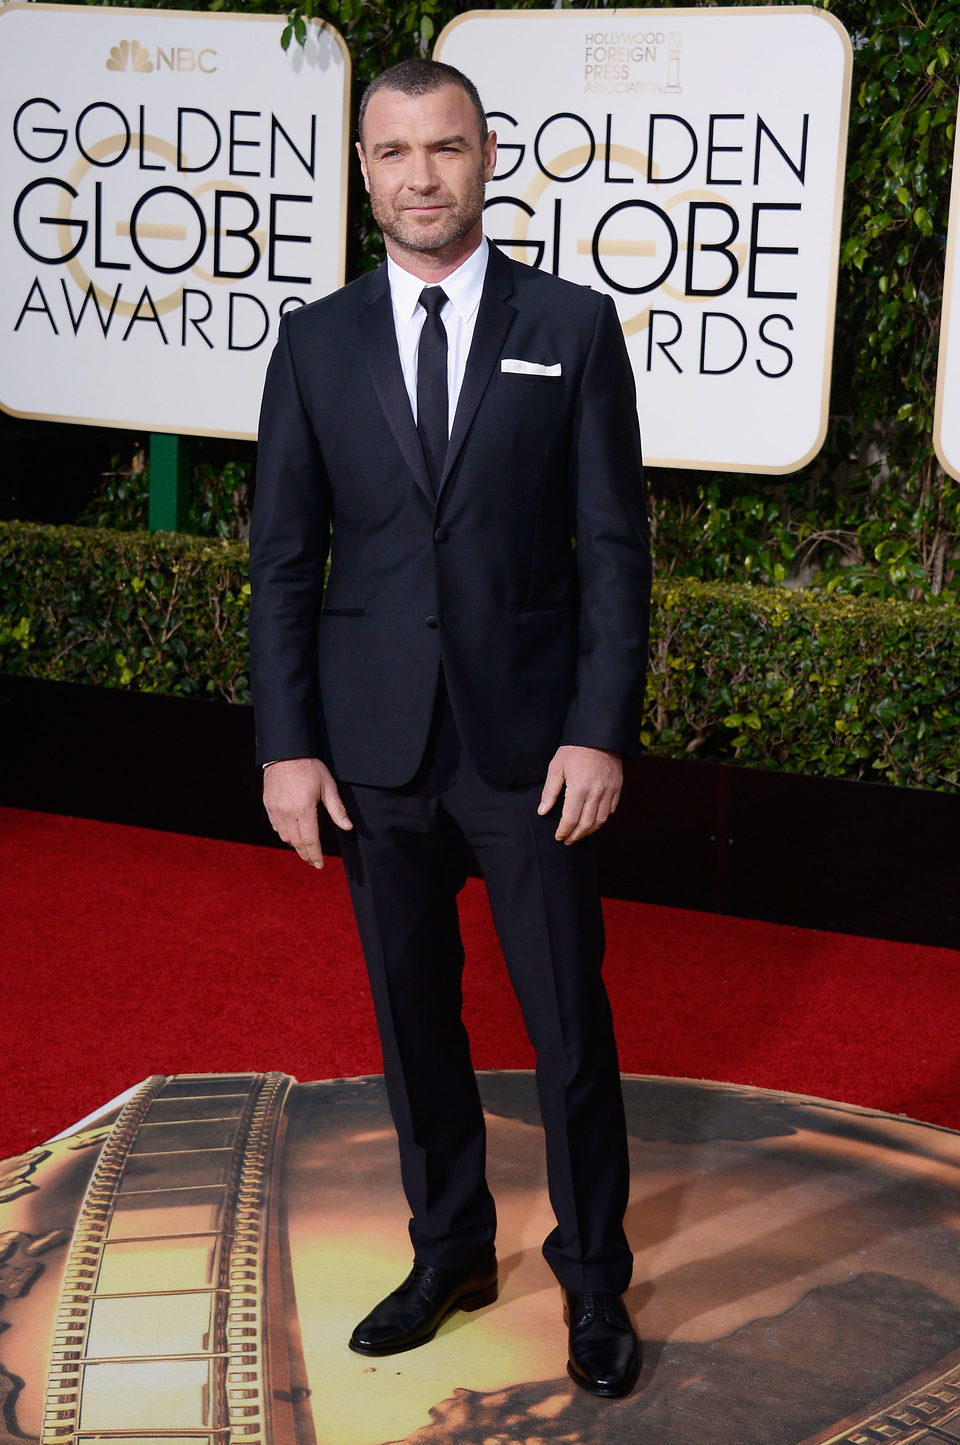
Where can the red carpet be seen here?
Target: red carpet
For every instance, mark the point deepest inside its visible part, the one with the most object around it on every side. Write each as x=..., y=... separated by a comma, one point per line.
x=128, y=952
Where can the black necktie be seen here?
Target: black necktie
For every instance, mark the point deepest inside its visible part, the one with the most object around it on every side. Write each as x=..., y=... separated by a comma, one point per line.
x=432, y=382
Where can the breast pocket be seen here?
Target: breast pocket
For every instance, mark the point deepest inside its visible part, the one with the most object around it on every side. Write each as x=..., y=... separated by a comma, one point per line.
x=530, y=378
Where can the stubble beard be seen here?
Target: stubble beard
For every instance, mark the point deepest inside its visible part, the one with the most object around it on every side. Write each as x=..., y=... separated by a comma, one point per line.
x=411, y=235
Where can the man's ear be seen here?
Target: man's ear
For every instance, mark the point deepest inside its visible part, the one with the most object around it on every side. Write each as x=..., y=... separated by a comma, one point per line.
x=489, y=155
x=363, y=165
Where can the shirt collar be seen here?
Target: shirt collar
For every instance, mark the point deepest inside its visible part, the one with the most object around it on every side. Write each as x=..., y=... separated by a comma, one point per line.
x=463, y=286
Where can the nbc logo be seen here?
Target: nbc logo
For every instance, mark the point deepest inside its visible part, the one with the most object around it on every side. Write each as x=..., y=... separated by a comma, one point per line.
x=128, y=55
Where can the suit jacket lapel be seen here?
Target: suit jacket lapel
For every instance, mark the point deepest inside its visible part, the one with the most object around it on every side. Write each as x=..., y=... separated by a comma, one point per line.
x=494, y=320
x=378, y=339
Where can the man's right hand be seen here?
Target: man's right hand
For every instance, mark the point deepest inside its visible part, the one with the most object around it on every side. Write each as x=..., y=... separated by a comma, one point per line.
x=292, y=789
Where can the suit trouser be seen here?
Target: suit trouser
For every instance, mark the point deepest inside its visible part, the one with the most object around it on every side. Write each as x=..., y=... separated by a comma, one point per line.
x=404, y=864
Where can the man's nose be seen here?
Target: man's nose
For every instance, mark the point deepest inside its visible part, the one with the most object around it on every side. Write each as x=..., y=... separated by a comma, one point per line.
x=422, y=176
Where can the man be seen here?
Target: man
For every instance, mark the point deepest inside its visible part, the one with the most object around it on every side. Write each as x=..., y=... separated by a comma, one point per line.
x=462, y=430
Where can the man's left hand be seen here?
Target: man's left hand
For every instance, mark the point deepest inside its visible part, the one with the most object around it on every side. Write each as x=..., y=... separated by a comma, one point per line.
x=591, y=780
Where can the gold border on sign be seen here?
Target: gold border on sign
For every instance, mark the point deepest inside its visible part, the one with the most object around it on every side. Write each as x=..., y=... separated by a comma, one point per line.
x=320, y=25
x=686, y=12
x=952, y=467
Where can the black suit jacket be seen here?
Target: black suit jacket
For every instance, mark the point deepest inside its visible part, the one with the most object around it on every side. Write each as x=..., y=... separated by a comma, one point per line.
x=527, y=575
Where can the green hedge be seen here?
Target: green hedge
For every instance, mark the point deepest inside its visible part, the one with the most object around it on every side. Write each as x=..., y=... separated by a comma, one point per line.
x=802, y=682
x=156, y=611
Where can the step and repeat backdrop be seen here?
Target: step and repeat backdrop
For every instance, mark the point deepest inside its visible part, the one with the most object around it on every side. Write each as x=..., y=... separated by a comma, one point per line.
x=173, y=181
x=689, y=162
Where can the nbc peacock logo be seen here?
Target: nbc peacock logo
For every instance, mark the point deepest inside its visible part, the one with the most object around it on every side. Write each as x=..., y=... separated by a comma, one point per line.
x=129, y=55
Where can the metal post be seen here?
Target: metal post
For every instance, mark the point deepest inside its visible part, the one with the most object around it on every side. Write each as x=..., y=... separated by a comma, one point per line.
x=169, y=481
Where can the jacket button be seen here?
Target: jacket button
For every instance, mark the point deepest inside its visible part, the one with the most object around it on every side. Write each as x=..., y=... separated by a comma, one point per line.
x=432, y=622
x=441, y=534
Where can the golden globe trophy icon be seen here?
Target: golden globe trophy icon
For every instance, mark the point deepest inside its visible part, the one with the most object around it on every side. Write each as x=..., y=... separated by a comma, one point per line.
x=674, y=41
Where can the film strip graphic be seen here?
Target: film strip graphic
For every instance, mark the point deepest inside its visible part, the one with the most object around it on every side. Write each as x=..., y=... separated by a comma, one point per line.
x=928, y=1414
x=161, y=1326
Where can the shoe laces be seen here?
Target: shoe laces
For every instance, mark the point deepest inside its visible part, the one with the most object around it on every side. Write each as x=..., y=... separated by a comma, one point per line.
x=595, y=1303
x=421, y=1277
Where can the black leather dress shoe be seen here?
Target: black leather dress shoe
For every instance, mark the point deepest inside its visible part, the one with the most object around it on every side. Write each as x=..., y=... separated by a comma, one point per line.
x=604, y=1349
x=413, y=1313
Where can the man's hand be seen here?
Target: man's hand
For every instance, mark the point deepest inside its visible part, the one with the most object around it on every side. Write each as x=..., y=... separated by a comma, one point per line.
x=291, y=791
x=592, y=779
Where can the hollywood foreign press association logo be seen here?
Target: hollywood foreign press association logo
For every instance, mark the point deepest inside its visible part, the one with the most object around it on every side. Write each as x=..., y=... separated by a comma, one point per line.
x=129, y=55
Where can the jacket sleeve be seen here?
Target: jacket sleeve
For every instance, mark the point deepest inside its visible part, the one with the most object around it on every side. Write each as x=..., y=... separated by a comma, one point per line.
x=289, y=542
x=612, y=548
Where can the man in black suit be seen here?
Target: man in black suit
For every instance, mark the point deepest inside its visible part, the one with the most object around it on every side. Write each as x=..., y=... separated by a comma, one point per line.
x=462, y=431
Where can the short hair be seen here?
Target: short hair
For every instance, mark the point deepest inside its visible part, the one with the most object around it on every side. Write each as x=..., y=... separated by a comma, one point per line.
x=422, y=77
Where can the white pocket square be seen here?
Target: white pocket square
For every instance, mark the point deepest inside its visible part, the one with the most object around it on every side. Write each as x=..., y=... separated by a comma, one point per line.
x=530, y=368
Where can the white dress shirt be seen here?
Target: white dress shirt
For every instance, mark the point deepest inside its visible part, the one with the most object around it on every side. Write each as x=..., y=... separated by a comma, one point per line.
x=459, y=316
